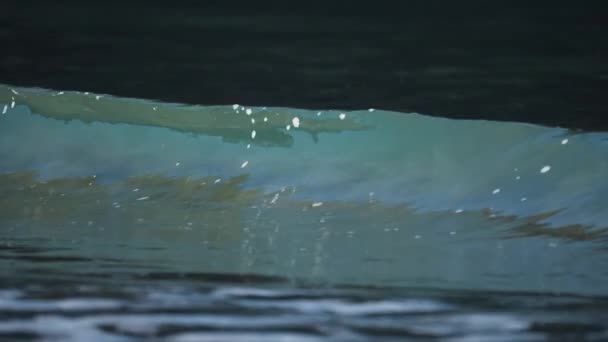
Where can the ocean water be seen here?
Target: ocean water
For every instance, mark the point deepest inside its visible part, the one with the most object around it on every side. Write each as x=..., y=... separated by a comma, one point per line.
x=125, y=219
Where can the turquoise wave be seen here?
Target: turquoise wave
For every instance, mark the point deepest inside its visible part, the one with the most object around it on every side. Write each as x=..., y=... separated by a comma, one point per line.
x=320, y=194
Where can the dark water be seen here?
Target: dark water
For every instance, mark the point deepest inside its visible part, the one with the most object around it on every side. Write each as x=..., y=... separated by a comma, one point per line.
x=541, y=62
x=125, y=219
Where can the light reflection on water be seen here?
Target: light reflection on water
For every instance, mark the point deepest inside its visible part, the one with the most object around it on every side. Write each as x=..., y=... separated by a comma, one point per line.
x=125, y=194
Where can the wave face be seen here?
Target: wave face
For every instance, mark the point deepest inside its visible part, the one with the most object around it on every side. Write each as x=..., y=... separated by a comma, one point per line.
x=96, y=186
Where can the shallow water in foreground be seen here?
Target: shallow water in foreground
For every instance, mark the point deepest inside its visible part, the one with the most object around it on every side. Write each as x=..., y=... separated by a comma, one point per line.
x=125, y=219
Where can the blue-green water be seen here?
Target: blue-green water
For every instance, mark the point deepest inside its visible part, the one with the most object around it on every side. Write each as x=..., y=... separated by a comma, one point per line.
x=125, y=218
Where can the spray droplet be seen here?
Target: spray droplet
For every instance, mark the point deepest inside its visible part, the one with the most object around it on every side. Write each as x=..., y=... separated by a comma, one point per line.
x=295, y=122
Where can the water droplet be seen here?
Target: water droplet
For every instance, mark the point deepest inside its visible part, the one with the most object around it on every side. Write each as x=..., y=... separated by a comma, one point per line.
x=244, y=164
x=295, y=122
x=143, y=198
x=177, y=164
x=496, y=191
x=248, y=111
x=288, y=127
x=235, y=106
x=545, y=169
x=317, y=204
x=265, y=119
x=458, y=211
x=523, y=199
x=565, y=141
x=5, y=109
x=371, y=110
x=253, y=133
x=318, y=113
x=342, y=116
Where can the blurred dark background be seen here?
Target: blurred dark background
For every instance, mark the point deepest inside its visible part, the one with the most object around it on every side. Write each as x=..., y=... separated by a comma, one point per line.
x=538, y=61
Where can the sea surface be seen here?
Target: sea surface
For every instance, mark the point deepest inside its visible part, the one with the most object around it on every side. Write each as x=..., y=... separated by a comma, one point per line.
x=124, y=219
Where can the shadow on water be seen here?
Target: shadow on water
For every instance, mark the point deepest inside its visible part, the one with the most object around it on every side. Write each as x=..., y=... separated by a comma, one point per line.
x=184, y=226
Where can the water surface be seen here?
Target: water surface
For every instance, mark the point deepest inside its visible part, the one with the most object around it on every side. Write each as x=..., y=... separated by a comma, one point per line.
x=128, y=218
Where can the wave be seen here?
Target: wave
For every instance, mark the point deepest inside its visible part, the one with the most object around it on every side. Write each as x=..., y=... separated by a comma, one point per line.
x=289, y=191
